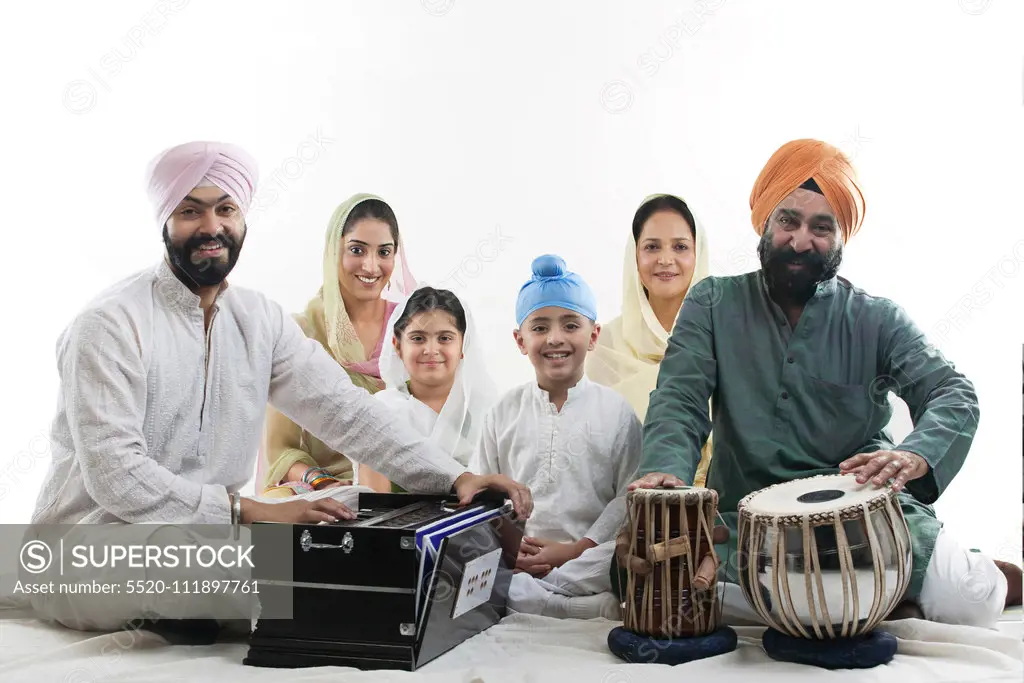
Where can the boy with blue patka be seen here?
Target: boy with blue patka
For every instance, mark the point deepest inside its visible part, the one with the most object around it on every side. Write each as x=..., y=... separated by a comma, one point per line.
x=575, y=443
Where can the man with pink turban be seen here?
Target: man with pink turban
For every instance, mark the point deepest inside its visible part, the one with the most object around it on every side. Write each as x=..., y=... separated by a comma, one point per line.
x=165, y=378
x=799, y=364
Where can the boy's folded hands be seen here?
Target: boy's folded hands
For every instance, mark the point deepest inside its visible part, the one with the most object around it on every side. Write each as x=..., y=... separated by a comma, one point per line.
x=538, y=556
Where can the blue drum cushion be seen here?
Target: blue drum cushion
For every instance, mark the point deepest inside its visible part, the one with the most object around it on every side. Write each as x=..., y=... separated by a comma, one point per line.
x=638, y=649
x=862, y=652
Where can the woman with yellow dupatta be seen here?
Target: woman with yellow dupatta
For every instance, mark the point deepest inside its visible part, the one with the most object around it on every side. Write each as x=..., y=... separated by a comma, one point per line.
x=666, y=254
x=364, y=273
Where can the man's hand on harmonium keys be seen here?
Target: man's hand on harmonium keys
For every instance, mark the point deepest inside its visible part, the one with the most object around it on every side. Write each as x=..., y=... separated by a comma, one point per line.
x=469, y=484
x=328, y=510
x=295, y=511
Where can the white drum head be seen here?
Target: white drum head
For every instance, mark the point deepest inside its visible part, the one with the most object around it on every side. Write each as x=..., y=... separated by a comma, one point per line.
x=674, y=492
x=654, y=492
x=814, y=495
x=679, y=495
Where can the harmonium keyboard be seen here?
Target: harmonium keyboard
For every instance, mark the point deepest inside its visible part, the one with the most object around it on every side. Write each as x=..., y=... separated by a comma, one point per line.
x=409, y=579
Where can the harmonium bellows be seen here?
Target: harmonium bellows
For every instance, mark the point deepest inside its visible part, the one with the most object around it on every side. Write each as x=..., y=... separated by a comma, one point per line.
x=409, y=579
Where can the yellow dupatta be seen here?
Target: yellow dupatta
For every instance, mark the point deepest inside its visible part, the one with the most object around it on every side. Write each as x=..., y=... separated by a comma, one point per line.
x=630, y=349
x=342, y=339
x=326, y=320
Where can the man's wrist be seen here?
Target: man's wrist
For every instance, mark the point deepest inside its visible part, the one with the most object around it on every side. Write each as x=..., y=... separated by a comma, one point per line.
x=247, y=510
x=461, y=478
x=907, y=451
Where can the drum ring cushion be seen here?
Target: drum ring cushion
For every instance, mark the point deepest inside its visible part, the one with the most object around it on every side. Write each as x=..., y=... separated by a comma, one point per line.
x=638, y=649
x=862, y=652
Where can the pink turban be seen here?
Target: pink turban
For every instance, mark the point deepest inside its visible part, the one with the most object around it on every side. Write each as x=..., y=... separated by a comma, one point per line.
x=176, y=171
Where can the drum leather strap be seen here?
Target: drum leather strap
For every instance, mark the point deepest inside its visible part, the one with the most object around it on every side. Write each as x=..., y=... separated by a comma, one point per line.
x=666, y=550
x=674, y=547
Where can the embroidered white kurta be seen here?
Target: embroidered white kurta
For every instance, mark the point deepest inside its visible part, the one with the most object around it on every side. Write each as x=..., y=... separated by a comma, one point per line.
x=158, y=420
x=577, y=461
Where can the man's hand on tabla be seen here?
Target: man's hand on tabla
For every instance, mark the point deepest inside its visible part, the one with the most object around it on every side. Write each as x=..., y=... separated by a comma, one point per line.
x=657, y=480
x=881, y=466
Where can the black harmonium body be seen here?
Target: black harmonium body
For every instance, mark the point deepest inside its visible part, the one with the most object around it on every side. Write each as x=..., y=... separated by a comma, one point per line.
x=408, y=580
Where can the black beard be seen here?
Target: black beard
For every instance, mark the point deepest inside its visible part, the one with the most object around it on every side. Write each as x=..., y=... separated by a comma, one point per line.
x=207, y=272
x=796, y=286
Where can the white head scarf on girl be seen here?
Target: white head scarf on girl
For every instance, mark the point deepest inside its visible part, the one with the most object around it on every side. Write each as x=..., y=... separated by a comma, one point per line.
x=456, y=429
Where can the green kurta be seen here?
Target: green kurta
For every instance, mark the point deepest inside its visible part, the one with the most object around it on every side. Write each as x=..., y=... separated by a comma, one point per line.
x=791, y=403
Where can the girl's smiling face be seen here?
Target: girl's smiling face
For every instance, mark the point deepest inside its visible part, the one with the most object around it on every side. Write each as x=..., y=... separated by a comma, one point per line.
x=430, y=347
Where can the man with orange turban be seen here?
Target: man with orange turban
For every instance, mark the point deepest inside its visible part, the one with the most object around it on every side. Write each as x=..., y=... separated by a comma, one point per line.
x=799, y=364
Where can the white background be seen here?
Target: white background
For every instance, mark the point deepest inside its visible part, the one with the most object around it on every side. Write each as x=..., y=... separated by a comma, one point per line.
x=544, y=124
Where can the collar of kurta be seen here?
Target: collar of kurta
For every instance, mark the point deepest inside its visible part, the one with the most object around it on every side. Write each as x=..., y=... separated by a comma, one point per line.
x=173, y=292
x=574, y=392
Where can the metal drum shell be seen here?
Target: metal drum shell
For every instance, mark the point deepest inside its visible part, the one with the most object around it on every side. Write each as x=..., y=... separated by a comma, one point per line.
x=850, y=575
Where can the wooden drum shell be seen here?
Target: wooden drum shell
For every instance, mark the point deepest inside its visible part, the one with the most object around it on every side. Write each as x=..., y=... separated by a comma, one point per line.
x=672, y=529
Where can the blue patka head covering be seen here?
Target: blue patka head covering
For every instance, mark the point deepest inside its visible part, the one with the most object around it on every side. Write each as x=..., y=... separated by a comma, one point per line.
x=553, y=285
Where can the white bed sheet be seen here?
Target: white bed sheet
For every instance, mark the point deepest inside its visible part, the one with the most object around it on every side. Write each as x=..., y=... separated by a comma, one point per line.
x=521, y=648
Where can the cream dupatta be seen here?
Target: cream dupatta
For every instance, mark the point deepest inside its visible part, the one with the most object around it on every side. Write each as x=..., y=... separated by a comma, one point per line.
x=631, y=347
x=457, y=428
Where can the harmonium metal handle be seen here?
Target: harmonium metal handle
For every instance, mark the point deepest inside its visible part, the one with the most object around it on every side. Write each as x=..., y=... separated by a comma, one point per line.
x=306, y=543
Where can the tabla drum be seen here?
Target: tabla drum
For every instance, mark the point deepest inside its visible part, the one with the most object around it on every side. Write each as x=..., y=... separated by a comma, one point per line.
x=673, y=530
x=824, y=557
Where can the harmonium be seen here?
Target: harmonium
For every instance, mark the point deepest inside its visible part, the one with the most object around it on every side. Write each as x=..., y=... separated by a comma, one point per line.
x=408, y=580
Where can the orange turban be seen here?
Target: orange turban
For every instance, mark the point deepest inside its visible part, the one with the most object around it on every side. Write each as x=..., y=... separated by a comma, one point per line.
x=796, y=162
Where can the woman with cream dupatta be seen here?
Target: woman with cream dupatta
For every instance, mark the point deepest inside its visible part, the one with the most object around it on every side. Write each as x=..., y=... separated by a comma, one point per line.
x=666, y=254
x=364, y=273
x=435, y=372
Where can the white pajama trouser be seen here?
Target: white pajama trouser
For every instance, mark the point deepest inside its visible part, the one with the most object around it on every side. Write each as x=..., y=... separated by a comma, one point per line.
x=587, y=575
x=113, y=611
x=962, y=587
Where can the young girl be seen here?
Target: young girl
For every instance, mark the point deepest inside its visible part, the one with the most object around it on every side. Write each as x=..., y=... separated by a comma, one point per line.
x=435, y=374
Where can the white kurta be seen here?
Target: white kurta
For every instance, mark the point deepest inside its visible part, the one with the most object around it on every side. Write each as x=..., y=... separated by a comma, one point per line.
x=577, y=461
x=157, y=420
